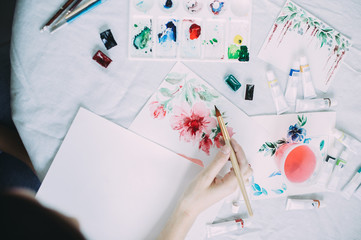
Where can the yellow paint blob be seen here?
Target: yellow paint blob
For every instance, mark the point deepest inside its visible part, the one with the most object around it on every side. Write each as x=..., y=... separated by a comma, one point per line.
x=238, y=39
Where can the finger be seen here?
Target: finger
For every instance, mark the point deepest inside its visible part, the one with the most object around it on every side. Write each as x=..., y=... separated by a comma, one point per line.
x=247, y=173
x=241, y=156
x=210, y=172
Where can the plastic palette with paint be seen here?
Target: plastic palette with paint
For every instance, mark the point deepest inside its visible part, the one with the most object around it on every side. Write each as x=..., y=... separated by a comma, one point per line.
x=198, y=30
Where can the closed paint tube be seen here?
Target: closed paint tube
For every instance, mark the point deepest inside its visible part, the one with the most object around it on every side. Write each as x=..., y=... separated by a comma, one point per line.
x=317, y=104
x=338, y=171
x=308, y=88
x=350, y=142
x=357, y=194
x=277, y=94
x=225, y=227
x=352, y=185
x=328, y=164
x=302, y=204
x=291, y=89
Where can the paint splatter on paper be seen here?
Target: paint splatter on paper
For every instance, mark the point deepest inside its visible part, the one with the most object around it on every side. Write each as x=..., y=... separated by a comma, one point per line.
x=214, y=42
x=296, y=31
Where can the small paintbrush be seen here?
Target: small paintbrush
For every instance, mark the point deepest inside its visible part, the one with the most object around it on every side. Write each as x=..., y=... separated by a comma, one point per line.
x=235, y=165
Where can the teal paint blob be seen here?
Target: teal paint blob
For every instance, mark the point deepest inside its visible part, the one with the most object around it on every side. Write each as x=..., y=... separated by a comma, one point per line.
x=141, y=40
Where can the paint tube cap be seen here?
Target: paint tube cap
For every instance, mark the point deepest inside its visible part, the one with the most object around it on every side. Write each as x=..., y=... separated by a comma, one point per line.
x=337, y=134
x=296, y=65
x=303, y=60
x=270, y=75
x=333, y=102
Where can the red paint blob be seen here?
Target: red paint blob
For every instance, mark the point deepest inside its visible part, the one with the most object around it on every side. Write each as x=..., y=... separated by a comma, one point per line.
x=300, y=164
x=194, y=31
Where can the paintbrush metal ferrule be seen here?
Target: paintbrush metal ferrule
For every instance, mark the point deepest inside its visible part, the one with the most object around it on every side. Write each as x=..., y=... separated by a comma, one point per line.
x=56, y=15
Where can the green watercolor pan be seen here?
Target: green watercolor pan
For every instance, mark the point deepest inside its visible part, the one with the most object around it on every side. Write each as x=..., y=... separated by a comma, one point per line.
x=197, y=30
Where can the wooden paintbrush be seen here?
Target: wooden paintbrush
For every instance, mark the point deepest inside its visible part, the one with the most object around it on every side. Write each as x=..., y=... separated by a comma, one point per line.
x=234, y=161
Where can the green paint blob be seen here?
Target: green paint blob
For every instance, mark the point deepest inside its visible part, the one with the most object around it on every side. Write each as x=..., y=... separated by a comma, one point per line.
x=233, y=52
x=141, y=40
x=135, y=25
x=215, y=40
x=211, y=41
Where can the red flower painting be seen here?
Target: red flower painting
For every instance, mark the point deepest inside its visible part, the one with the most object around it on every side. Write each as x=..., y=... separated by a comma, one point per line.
x=193, y=122
x=157, y=110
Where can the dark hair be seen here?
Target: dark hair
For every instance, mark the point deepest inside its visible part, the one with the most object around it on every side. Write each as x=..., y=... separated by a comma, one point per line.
x=22, y=218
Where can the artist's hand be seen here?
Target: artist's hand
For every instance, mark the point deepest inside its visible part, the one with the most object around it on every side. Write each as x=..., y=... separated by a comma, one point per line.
x=205, y=190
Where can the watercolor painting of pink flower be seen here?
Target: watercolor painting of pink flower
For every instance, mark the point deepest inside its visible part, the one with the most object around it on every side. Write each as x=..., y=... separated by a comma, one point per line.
x=217, y=138
x=157, y=110
x=205, y=144
x=192, y=122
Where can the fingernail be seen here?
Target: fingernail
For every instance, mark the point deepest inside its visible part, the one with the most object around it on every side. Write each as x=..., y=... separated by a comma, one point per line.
x=225, y=149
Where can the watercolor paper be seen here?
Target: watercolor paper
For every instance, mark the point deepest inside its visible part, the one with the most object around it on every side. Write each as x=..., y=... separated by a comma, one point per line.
x=307, y=128
x=180, y=116
x=114, y=190
x=206, y=30
x=297, y=33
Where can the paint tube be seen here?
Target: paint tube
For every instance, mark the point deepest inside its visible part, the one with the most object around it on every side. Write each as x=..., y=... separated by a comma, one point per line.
x=308, y=88
x=352, y=185
x=215, y=229
x=349, y=142
x=328, y=164
x=357, y=194
x=291, y=89
x=317, y=104
x=337, y=171
x=277, y=94
x=298, y=204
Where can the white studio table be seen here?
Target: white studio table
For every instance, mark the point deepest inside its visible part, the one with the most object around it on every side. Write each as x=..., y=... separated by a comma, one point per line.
x=54, y=74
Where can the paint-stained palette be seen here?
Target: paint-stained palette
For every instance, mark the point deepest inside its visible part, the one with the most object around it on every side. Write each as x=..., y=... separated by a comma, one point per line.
x=200, y=30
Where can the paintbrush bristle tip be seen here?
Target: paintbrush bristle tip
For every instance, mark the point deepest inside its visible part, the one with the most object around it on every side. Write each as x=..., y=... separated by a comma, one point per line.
x=218, y=114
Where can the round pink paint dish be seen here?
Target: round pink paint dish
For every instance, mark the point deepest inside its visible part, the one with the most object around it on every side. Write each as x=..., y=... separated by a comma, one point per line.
x=297, y=162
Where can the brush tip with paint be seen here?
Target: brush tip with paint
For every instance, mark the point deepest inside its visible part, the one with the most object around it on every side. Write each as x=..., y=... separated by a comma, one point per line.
x=218, y=114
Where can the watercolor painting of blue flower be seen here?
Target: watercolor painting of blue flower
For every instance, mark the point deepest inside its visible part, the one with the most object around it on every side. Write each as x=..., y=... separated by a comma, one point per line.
x=296, y=133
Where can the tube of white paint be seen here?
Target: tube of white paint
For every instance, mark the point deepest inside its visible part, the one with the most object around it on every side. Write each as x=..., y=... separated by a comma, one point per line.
x=298, y=204
x=277, y=94
x=291, y=89
x=328, y=164
x=357, y=194
x=216, y=229
x=338, y=171
x=317, y=104
x=308, y=88
x=352, y=185
x=350, y=143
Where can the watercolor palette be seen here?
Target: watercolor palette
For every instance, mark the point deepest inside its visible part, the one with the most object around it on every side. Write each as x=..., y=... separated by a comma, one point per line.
x=198, y=30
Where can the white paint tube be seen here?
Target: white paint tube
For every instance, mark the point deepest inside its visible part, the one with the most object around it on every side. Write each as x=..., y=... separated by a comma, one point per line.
x=277, y=94
x=298, y=204
x=291, y=89
x=328, y=164
x=216, y=229
x=350, y=143
x=352, y=185
x=308, y=88
x=338, y=171
x=357, y=194
x=317, y=104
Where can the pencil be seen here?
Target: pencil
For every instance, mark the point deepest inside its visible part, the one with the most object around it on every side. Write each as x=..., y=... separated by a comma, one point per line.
x=57, y=14
x=234, y=161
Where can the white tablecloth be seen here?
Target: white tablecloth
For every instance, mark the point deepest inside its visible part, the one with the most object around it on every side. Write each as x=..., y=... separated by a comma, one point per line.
x=52, y=75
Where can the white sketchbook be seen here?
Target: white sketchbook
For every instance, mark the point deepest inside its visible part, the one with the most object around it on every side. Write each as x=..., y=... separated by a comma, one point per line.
x=116, y=183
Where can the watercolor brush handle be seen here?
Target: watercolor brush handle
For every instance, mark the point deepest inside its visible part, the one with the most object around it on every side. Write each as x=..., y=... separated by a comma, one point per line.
x=57, y=14
x=71, y=9
x=234, y=161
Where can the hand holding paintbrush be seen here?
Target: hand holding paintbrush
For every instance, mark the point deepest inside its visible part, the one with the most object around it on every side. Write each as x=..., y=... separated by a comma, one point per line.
x=234, y=161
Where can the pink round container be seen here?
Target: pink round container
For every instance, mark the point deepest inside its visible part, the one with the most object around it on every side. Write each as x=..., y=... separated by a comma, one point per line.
x=297, y=162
